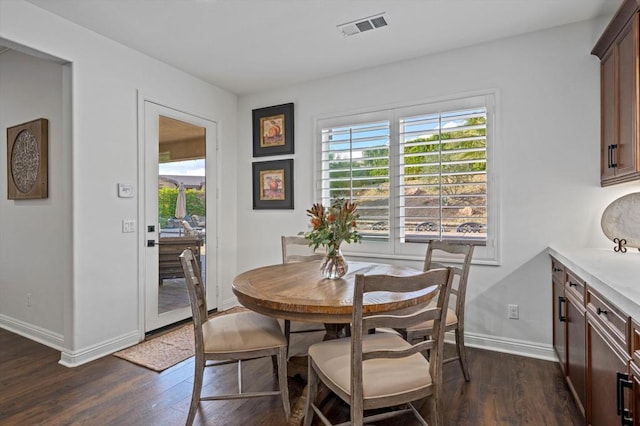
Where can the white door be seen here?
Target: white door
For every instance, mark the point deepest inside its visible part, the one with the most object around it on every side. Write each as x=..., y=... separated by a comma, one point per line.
x=179, y=151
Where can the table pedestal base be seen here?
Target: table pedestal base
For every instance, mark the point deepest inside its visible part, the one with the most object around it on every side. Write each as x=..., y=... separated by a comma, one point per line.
x=298, y=366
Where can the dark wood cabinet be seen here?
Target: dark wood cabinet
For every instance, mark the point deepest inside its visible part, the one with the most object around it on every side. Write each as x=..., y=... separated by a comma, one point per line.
x=559, y=315
x=607, y=362
x=569, y=330
x=576, y=339
x=634, y=370
x=618, y=49
x=593, y=339
x=632, y=419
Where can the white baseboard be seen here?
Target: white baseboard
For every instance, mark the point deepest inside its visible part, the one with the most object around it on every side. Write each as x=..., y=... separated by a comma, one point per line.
x=41, y=335
x=75, y=358
x=506, y=345
x=108, y=347
x=55, y=341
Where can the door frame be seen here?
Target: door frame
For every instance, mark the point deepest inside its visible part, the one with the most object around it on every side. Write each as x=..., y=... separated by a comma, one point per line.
x=213, y=168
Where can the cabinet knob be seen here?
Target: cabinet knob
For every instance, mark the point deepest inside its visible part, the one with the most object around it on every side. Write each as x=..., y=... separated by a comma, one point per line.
x=572, y=284
x=602, y=311
x=557, y=270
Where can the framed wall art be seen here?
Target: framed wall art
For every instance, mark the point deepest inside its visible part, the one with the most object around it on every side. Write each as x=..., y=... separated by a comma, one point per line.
x=27, y=160
x=273, y=184
x=273, y=130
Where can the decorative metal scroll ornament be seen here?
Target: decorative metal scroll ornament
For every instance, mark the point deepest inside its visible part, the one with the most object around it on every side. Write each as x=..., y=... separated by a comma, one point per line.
x=620, y=248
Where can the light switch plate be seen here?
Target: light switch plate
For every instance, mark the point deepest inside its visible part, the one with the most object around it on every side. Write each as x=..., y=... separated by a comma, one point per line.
x=126, y=190
x=128, y=225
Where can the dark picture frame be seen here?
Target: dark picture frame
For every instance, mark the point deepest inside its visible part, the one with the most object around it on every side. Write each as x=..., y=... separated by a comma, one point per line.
x=273, y=184
x=28, y=160
x=273, y=130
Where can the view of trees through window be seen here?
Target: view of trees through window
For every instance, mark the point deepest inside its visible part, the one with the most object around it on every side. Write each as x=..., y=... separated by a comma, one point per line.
x=428, y=180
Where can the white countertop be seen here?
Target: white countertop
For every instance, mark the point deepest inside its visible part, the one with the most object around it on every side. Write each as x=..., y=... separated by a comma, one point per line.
x=614, y=275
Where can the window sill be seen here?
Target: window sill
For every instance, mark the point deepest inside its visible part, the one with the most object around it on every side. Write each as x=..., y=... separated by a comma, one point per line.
x=356, y=255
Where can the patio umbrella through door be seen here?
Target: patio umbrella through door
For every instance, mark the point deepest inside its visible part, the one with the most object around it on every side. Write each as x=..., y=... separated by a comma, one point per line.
x=181, y=203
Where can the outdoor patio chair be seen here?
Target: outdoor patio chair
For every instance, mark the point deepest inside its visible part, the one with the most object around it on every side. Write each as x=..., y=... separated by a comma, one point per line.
x=191, y=231
x=199, y=221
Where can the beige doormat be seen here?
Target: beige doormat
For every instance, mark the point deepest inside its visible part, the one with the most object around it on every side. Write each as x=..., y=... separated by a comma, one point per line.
x=166, y=350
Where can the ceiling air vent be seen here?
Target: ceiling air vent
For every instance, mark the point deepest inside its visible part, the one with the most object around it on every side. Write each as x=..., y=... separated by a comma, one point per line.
x=362, y=25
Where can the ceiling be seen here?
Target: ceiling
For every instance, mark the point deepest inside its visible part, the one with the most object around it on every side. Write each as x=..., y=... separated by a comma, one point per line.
x=248, y=46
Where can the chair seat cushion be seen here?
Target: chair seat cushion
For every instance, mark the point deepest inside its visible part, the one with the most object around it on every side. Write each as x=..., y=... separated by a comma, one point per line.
x=452, y=319
x=381, y=377
x=242, y=331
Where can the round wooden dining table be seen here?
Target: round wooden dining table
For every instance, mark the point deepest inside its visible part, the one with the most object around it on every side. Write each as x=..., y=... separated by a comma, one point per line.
x=297, y=291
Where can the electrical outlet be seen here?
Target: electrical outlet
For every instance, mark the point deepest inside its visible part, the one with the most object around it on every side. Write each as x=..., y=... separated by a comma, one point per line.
x=513, y=312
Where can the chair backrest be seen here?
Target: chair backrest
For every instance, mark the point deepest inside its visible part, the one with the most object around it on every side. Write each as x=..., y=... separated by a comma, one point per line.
x=188, y=228
x=296, y=249
x=436, y=282
x=452, y=252
x=198, y=220
x=196, y=292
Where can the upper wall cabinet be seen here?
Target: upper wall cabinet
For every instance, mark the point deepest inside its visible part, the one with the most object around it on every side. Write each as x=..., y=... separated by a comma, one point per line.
x=618, y=49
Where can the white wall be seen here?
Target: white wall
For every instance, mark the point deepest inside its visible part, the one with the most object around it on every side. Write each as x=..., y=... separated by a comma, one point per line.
x=35, y=248
x=548, y=128
x=102, y=311
x=549, y=146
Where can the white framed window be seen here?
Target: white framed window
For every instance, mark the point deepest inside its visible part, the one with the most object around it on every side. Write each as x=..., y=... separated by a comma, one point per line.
x=419, y=172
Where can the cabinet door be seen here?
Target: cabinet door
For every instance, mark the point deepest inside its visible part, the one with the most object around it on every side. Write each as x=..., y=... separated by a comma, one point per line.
x=635, y=383
x=576, y=351
x=619, y=107
x=559, y=324
x=604, y=364
x=625, y=152
x=608, y=112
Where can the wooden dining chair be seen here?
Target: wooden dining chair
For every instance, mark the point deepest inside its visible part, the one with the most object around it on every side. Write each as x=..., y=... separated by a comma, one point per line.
x=383, y=370
x=452, y=252
x=231, y=338
x=296, y=249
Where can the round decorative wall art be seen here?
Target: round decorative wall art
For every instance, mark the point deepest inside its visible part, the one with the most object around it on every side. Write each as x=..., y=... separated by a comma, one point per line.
x=621, y=220
x=27, y=160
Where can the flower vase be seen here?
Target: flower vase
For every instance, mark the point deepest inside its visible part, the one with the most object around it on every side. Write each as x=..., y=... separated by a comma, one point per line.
x=334, y=264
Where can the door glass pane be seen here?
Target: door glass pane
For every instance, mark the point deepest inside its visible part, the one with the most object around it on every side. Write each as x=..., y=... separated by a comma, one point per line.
x=181, y=207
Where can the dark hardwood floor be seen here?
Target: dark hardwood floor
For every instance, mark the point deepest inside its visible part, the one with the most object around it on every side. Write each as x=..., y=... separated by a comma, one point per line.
x=36, y=390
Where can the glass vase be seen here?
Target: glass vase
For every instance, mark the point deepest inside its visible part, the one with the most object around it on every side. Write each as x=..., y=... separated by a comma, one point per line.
x=334, y=264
